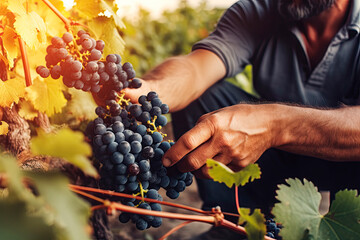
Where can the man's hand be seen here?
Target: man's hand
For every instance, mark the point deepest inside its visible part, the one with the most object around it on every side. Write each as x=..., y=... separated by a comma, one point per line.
x=235, y=136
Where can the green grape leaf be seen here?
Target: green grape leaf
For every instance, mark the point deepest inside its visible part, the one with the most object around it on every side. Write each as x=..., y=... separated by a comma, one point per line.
x=342, y=221
x=16, y=224
x=221, y=173
x=105, y=28
x=70, y=213
x=298, y=211
x=255, y=223
x=66, y=144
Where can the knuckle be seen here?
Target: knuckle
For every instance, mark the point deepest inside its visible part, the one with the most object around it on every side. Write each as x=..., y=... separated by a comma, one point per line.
x=193, y=163
x=189, y=141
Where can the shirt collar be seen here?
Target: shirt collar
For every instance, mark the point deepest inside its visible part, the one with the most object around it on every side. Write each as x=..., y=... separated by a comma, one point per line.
x=353, y=22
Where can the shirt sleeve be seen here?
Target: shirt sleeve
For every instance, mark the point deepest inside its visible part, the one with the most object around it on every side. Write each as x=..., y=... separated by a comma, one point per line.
x=238, y=33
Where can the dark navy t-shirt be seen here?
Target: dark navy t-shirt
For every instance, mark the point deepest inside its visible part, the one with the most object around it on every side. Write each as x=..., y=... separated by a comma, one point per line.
x=253, y=32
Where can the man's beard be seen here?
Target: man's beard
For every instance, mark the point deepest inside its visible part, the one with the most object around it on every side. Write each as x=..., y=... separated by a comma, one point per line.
x=295, y=10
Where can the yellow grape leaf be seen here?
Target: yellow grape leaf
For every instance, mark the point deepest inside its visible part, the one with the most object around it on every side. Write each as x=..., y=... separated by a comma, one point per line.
x=3, y=7
x=46, y=95
x=27, y=110
x=17, y=7
x=81, y=105
x=105, y=29
x=91, y=9
x=54, y=26
x=221, y=173
x=11, y=90
x=66, y=144
x=10, y=44
x=31, y=28
x=4, y=128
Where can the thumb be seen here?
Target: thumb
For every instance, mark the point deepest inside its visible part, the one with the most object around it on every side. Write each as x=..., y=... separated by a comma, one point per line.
x=134, y=93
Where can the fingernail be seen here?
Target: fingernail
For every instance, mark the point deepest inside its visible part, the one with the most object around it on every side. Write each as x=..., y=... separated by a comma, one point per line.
x=166, y=162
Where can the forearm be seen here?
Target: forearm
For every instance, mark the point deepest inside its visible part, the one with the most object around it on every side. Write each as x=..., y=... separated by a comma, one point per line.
x=329, y=134
x=181, y=80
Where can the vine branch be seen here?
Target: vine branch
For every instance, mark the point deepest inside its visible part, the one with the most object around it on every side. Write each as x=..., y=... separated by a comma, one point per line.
x=25, y=62
x=66, y=21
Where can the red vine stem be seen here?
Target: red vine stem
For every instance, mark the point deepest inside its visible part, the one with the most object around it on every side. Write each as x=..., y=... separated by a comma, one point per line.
x=25, y=62
x=237, y=198
x=66, y=21
x=174, y=230
x=112, y=193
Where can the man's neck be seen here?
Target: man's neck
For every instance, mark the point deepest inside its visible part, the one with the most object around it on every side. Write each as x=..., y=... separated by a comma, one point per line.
x=318, y=31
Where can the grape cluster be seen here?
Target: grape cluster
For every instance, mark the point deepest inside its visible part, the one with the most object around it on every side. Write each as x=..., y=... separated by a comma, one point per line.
x=143, y=222
x=79, y=60
x=127, y=141
x=273, y=229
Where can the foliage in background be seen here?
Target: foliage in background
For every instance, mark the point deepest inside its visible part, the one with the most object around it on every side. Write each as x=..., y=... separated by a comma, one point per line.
x=150, y=41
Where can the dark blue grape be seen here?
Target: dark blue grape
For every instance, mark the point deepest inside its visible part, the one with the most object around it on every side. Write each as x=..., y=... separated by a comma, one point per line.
x=146, y=106
x=161, y=121
x=120, y=188
x=155, y=111
x=135, y=137
x=121, y=179
x=99, y=129
x=158, y=154
x=117, y=158
x=164, y=108
x=120, y=169
x=144, y=117
x=97, y=140
x=145, y=184
x=155, y=207
x=147, y=140
x=119, y=137
x=136, y=147
x=180, y=187
x=112, y=147
x=141, y=129
x=151, y=95
x=156, y=222
x=145, y=176
x=165, y=181
x=173, y=182
x=141, y=224
x=165, y=146
x=128, y=133
x=172, y=193
x=135, y=110
x=108, y=137
x=142, y=99
x=118, y=127
x=124, y=147
x=144, y=166
x=129, y=159
x=124, y=217
x=156, y=102
x=132, y=186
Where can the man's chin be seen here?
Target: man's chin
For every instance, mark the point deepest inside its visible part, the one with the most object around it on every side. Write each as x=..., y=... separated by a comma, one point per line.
x=298, y=10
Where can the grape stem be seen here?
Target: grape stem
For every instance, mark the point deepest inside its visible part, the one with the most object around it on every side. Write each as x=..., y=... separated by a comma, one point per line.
x=174, y=230
x=66, y=21
x=216, y=218
x=25, y=60
x=237, y=199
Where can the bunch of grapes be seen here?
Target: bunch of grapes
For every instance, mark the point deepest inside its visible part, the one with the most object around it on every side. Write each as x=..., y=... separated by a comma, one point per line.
x=78, y=59
x=273, y=229
x=127, y=141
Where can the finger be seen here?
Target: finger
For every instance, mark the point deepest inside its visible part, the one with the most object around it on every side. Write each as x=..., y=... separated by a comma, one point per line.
x=197, y=158
x=188, y=142
x=134, y=93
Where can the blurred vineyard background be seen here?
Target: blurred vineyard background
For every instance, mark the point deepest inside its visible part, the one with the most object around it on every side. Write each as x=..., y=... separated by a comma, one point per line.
x=150, y=40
